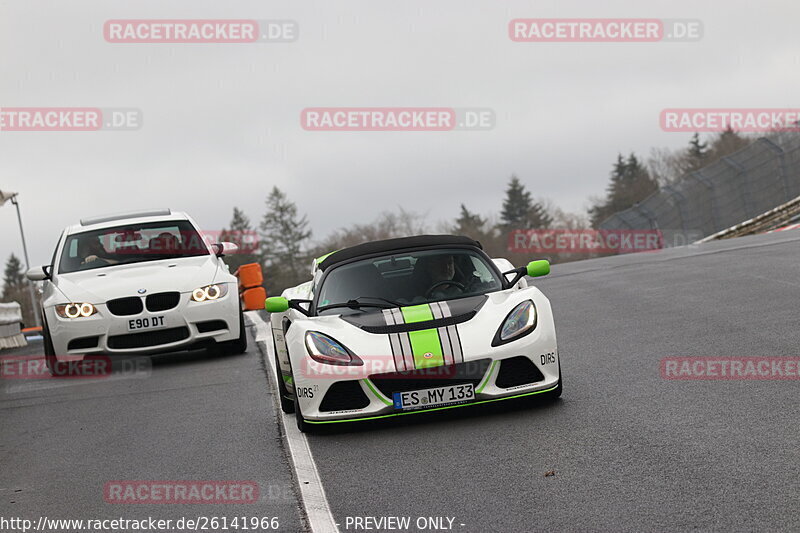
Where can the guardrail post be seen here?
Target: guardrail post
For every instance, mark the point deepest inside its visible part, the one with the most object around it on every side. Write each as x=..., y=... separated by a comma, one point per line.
x=744, y=186
x=782, y=163
x=698, y=175
x=679, y=203
x=646, y=213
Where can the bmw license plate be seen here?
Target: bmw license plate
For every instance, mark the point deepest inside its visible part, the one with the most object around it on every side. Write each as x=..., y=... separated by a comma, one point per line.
x=146, y=323
x=426, y=398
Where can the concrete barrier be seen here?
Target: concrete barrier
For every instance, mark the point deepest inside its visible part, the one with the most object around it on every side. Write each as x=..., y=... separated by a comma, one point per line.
x=10, y=323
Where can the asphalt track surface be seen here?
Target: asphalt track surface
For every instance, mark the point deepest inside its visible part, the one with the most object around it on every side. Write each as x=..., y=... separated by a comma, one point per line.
x=191, y=416
x=630, y=451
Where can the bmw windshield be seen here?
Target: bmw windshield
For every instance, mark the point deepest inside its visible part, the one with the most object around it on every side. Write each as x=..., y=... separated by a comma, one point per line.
x=131, y=243
x=407, y=278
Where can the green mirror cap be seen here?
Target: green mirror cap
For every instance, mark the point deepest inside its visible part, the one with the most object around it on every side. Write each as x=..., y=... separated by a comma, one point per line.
x=276, y=304
x=538, y=268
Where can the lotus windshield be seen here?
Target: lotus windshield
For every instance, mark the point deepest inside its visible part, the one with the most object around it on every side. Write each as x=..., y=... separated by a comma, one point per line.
x=131, y=243
x=407, y=278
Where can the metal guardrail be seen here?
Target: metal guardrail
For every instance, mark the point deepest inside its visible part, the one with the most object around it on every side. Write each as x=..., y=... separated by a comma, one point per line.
x=730, y=192
x=774, y=218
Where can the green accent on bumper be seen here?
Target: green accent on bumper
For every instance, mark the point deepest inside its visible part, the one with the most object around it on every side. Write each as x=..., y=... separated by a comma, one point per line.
x=380, y=396
x=429, y=410
x=425, y=341
x=487, y=378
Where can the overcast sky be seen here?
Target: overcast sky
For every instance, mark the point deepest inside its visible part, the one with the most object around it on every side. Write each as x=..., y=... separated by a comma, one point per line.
x=221, y=121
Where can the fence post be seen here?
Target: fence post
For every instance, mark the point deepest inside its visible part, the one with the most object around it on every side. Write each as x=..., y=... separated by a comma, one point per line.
x=646, y=213
x=744, y=187
x=782, y=162
x=679, y=203
x=698, y=175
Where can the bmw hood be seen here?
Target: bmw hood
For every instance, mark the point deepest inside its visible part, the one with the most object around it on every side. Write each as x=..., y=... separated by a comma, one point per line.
x=103, y=284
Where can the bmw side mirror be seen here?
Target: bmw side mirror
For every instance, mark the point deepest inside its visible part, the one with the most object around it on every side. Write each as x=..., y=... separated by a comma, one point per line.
x=224, y=248
x=39, y=273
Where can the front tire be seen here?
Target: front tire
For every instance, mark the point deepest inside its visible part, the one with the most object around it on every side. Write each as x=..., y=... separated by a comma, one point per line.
x=238, y=346
x=302, y=425
x=287, y=404
x=50, y=357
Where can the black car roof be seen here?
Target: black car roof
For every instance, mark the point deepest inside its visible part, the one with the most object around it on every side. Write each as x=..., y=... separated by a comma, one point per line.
x=392, y=245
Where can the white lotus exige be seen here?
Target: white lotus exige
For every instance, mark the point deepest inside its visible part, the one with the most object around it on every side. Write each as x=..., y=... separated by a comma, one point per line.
x=144, y=282
x=409, y=325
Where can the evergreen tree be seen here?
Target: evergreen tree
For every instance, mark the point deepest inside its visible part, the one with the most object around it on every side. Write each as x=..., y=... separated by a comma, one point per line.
x=726, y=143
x=240, y=233
x=13, y=277
x=629, y=184
x=283, y=237
x=696, y=154
x=16, y=288
x=470, y=224
x=520, y=211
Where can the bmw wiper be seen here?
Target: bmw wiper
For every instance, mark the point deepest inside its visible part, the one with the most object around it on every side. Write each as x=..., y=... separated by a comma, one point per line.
x=356, y=303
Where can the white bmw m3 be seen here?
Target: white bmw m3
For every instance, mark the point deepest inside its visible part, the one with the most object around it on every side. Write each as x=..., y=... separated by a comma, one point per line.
x=144, y=282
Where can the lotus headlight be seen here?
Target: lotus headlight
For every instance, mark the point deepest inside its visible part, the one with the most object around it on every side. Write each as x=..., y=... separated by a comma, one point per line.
x=519, y=322
x=324, y=349
x=75, y=310
x=209, y=292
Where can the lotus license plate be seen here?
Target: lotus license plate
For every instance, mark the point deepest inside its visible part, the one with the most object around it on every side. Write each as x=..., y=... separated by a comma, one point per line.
x=437, y=396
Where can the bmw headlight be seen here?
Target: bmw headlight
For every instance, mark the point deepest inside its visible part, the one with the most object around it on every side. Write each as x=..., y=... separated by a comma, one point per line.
x=209, y=292
x=324, y=349
x=75, y=310
x=518, y=323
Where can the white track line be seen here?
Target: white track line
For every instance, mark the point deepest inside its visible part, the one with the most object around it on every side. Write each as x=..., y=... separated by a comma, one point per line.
x=312, y=493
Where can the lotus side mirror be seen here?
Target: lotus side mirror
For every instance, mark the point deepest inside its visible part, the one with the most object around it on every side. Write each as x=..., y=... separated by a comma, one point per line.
x=276, y=304
x=539, y=268
x=279, y=304
x=534, y=269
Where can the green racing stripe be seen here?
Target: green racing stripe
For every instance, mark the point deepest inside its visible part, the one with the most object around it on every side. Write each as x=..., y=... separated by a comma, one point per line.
x=425, y=344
